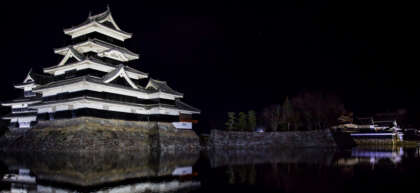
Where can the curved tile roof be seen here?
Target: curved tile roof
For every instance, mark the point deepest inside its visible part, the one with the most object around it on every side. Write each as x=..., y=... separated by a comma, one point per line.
x=162, y=86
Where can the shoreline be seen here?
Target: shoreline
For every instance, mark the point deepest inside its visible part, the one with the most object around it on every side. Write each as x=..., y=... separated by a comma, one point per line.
x=88, y=134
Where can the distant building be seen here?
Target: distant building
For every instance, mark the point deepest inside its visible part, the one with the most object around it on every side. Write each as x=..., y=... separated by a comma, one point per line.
x=376, y=128
x=371, y=127
x=365, y=123
x=93, y=78
x=369, y=124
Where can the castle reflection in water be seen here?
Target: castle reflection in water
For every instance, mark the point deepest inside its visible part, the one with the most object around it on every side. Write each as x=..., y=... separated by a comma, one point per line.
x=108, y=172
x=211, y=171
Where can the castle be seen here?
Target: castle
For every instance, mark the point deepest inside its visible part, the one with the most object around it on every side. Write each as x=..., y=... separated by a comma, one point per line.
x=94, y=79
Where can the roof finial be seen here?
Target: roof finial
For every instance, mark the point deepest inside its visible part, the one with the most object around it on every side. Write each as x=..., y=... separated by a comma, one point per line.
x=28, y=76
x=107, y=8
x=90, y=14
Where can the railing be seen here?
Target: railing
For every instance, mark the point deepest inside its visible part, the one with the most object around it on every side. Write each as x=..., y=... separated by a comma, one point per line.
x=23, y=110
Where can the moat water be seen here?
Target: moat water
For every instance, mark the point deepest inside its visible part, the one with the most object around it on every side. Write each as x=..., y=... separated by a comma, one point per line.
x=361, y=169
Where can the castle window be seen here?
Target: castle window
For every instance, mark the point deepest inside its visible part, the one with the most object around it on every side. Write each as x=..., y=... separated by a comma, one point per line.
x=51, y=116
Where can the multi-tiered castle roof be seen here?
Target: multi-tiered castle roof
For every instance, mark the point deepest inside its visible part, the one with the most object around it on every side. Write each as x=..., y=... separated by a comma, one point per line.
x=93, y=79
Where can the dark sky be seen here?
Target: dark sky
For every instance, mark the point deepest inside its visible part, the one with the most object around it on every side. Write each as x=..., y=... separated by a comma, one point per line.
x=236, y=55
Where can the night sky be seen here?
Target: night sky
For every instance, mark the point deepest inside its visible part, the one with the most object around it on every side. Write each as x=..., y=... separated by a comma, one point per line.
x=235, y=55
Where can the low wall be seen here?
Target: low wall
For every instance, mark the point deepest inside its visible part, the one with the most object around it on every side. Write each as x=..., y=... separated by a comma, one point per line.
x=96, y=134
x=235, y=139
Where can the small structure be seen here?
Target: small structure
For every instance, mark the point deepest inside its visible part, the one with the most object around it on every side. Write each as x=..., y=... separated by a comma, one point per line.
x=370, y=128
x=365, y=123
x=387, y=125
x=22, y=116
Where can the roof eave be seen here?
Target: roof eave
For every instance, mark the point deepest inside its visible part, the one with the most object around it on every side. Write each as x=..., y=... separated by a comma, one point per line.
x=59, y=50
x=17, y=116
x=70, y=31
x=22, y=85
x=19, y=102
x=179, y=95
x=193, y=111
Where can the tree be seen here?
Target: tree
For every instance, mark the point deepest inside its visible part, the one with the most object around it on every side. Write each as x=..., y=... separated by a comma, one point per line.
x=230, y=124
x=306, y=111
x=317, y=110
x=288, y=115
x=242, y=121
x=272, y=116
x=252, y=120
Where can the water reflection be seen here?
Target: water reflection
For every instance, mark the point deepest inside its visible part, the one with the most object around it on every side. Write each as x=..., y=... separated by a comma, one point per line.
x=322, y=156
x=106, y=172
x=373, y=155
x=361, y=169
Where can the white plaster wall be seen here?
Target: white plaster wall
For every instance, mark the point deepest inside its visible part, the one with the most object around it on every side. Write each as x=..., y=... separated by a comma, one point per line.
x=84, y=85
x=108, y=106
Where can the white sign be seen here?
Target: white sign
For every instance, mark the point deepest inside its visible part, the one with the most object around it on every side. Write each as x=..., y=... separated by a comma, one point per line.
x=24, y=124
x=180, y=171
x=182, y=125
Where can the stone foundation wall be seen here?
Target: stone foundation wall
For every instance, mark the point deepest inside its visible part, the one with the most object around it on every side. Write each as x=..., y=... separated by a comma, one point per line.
x=235, y=139
x=172, y=139
x=86, y=134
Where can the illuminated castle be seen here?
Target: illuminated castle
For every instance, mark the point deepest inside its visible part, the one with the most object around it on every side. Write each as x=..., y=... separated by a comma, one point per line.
x=93, y=79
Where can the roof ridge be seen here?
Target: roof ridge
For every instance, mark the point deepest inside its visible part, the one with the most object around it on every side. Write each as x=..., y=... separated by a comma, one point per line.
x=89, y=21
x=43, y=75
x=156, y=80
x=61, y=81
x=77, y=54
x=162, y=86
x=96, y=40
x=104, y=13
x=178, y=101
x=120, y=70
x=131, y=69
